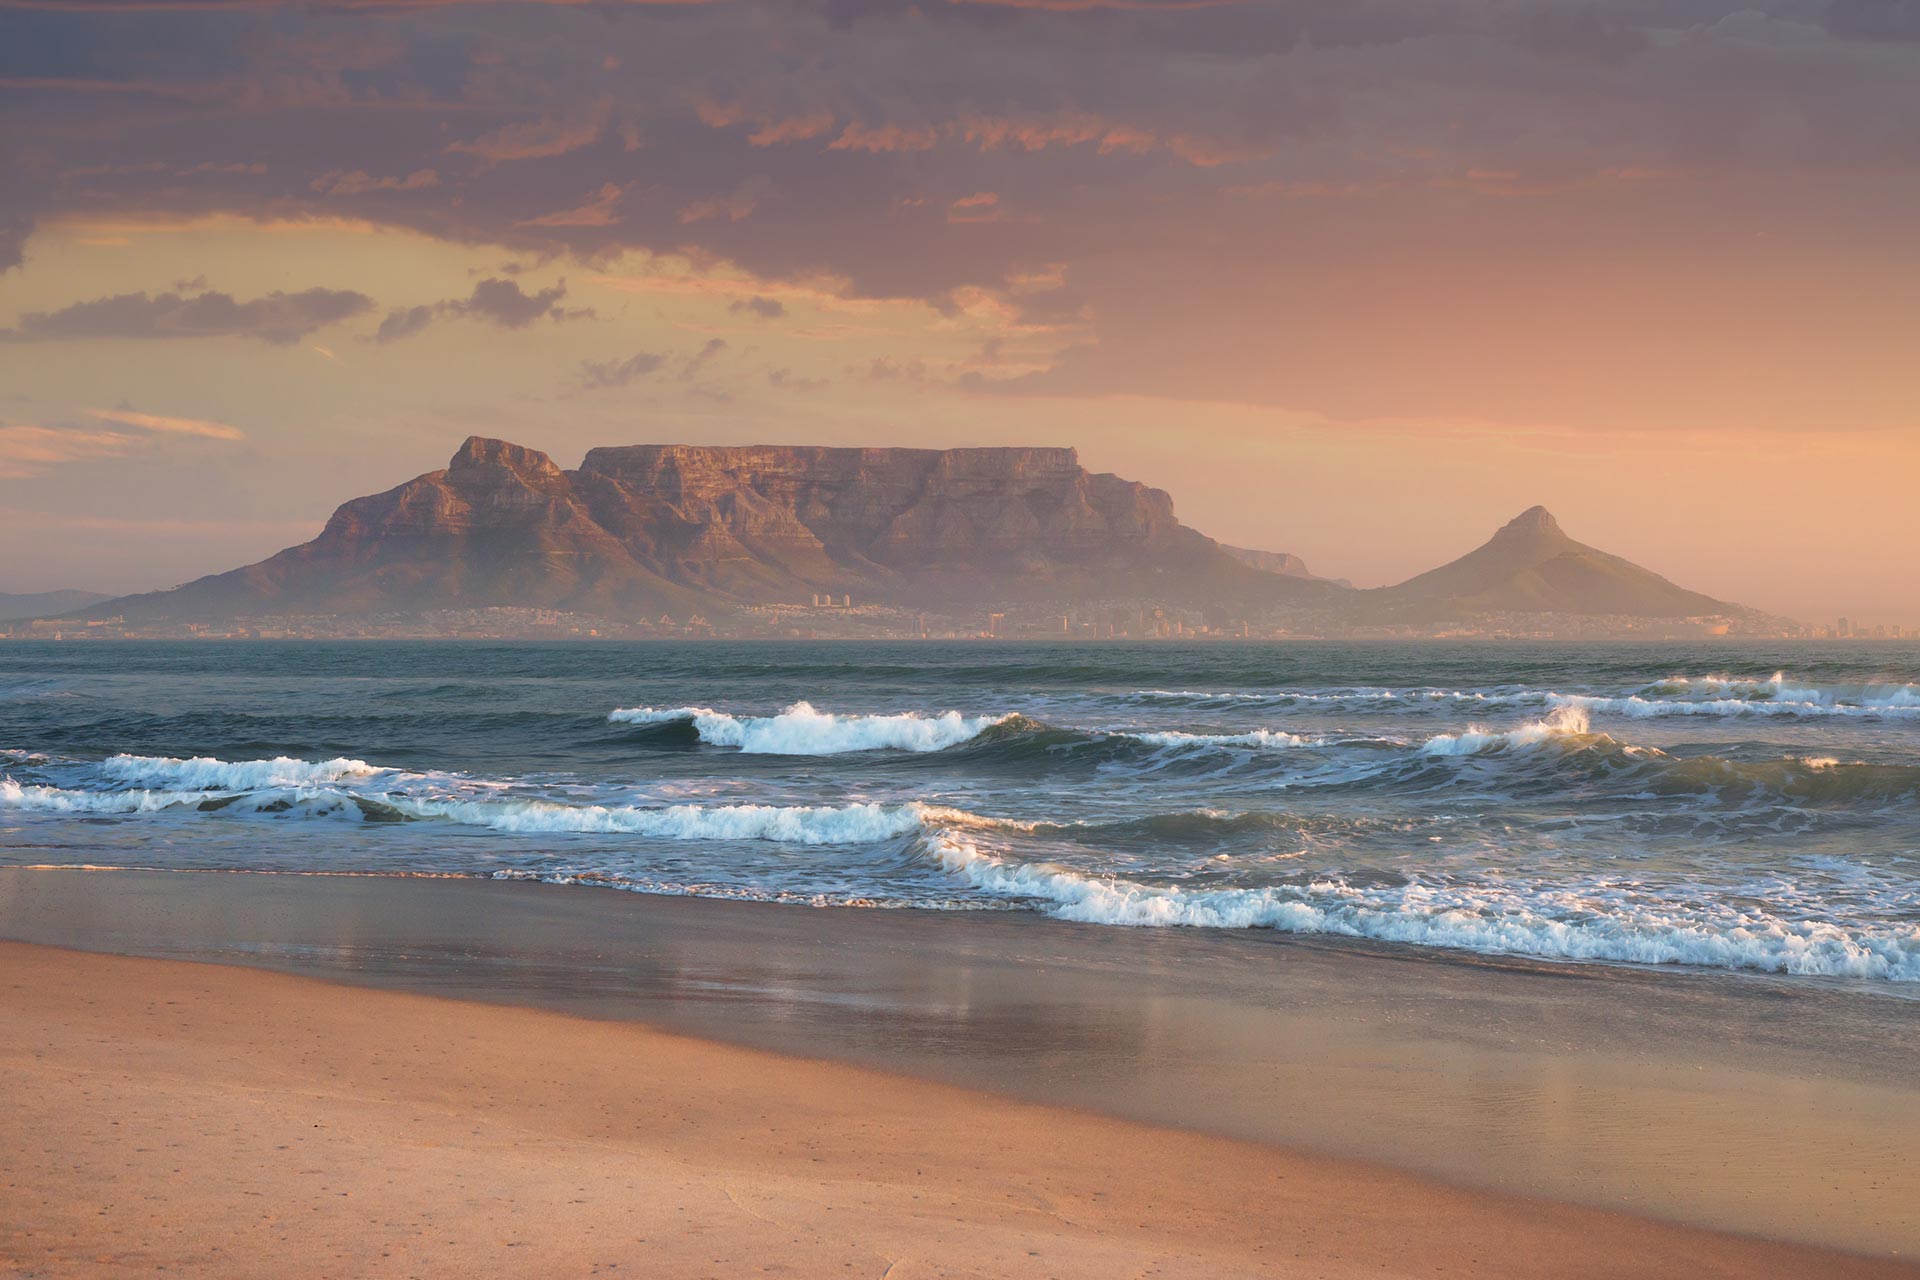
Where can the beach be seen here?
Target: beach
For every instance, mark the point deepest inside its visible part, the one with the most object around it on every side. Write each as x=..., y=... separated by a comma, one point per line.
x=211, y=1120
x=500, y=1079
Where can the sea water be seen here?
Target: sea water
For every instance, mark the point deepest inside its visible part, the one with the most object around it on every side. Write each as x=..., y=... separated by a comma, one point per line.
x=1740, y=807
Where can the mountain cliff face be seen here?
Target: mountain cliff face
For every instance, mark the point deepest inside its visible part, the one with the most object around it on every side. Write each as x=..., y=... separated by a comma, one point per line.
x=1531, y=566
x=643, y=529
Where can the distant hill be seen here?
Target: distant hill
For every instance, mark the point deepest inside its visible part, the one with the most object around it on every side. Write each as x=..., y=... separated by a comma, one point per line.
x=646, y=529
x=45, y=604
x=1283, y=563
x=1532, y=566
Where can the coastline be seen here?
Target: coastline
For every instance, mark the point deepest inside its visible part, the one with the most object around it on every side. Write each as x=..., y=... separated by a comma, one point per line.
x=1729, y=1103
x=345, y=1130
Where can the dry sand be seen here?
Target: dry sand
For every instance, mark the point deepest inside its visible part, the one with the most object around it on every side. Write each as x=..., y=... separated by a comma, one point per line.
x=217, y=1121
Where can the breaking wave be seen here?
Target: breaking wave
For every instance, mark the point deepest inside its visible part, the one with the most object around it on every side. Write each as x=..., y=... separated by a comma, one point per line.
x=1567, y=724
x=205, y=773
x=1585, y=923
x=800, y=730
x=859, y=823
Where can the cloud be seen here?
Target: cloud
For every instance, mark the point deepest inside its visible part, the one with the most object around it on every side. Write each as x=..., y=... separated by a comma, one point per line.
x=741, y=203
x=886, y=137
x=501, y=302
x=505, y=303
x=597, y=374
x=765, y=308
x=359, y=182
x=703, y=357
x=170, y=426
x=281, y=319
x=32, y=449
x=543, y=138
x=1203, y=162
x=404, y=322
x=28, y=450
x=597, y=212
x=788, y=380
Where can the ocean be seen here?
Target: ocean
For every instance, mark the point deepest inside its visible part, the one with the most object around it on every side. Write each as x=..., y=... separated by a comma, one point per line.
x=1736, y=807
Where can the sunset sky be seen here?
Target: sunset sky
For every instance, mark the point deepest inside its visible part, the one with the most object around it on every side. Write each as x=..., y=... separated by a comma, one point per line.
x=1356, y=279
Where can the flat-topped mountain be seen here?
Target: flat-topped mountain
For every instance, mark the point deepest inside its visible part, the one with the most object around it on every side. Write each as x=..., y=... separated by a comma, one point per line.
x=645, y=529
x=1531, y=566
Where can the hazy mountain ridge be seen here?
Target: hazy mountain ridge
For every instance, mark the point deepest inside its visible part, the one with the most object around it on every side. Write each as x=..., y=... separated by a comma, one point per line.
x=643, y=530
x=39, y=604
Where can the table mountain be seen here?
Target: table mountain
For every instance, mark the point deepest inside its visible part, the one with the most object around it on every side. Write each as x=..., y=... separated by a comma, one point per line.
x=644, y=529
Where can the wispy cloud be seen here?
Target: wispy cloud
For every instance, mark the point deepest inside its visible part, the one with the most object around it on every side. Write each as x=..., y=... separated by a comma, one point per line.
x=170, y=426
x=28, y=450
x=279, y=318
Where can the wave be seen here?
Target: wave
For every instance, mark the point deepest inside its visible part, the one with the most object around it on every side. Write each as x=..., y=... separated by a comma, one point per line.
x=1358, y=698
x=1735, y=696
x=1495, y=919
x=1675, y=696
x=1639, y=707
x=857, y=823
x=1258, y=738
x=1567, y=725
x=801, y=730
x=41, y=798
x=204, y=773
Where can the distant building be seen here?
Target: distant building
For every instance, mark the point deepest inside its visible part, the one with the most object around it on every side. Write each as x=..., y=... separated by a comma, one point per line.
x=996, y=624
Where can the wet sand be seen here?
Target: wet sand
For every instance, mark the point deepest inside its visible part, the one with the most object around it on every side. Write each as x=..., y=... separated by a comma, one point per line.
x=220, y=1121
x=1769, y=1108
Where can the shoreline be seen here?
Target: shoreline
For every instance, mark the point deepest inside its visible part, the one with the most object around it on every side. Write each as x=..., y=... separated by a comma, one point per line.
x=375, y=1132
x=1730, y=1104
x=1381, y=948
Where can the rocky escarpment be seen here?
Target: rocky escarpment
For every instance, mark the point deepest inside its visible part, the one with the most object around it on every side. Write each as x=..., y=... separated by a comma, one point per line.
x=642, y=529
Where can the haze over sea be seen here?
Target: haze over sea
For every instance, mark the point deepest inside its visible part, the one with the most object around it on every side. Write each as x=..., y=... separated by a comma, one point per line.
x=1737, y=807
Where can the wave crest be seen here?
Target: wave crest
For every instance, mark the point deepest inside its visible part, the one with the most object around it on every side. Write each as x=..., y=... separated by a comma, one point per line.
x=801, y=730
x=204, y=773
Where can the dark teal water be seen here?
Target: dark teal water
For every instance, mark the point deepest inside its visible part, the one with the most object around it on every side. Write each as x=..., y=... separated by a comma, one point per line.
x=1741, y=807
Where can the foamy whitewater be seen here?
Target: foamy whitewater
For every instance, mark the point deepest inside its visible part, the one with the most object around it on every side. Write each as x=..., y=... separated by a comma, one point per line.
x=1702, y=807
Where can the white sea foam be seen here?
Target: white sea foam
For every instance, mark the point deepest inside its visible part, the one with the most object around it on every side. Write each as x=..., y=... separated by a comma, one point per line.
x=305, y=801
x=1776, y=695
x=800, y=730
x=1259, y=739
x=860, y=823
x=45, y=799
x=208, y=774
x=1639, y=707
x=1493, y=918
x=1561, y=725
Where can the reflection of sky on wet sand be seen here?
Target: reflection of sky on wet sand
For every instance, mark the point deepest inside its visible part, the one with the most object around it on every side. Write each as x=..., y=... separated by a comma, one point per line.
x=1611, y=1087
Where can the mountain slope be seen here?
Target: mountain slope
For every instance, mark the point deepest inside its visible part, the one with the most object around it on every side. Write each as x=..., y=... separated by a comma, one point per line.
x=1531, y=566
x=647, y=529
x=1284, y=563
x=45, y=604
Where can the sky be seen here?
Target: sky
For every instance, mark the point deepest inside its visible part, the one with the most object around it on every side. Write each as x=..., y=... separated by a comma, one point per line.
x=1354, y=279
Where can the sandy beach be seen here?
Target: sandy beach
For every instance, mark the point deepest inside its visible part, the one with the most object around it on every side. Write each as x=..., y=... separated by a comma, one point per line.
x=218, y=1121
